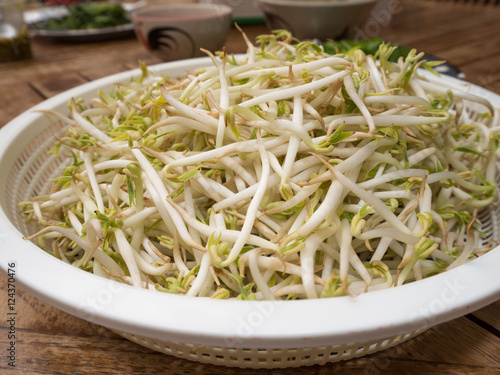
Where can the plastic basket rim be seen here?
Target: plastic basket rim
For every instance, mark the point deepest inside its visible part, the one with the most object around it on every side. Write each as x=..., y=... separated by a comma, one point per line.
x=231, y=323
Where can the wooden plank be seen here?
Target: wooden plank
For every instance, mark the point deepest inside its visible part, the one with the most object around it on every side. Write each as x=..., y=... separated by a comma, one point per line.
x=471, y=46
x=419, y=11
x=484, y=72
x=493, y=86
x=52, y=85
x=95, y=72
x=490, y=315
x=235, y=42
x=456, y=342
x=34, y=314
x=52, y=60
x=16, y=98
x=471, y=3
x=47, y=337
x=47, y=353
x=423, y=29
x=53, y=342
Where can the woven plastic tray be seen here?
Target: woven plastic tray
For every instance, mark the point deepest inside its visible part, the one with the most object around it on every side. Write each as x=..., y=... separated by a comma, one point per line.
x=256, y=334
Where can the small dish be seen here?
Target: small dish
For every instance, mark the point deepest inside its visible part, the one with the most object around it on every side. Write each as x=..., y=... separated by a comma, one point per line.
x=36, y=17
x=82, y=36
x=317, y=19
x=178, y=31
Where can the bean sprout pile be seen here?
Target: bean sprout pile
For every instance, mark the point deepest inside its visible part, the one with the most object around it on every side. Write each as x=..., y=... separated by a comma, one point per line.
x=284, y=173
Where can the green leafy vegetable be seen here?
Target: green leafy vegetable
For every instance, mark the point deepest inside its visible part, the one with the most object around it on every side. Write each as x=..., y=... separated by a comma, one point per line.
x=87, y=16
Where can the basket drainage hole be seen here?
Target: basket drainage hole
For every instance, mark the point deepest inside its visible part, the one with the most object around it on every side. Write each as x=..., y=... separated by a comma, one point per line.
x=156, y=345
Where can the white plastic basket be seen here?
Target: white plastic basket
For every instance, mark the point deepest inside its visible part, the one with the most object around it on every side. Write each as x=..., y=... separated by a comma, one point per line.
x=255, y=334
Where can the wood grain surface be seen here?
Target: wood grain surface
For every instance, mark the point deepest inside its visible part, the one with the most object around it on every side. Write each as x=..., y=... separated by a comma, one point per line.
x=49, y=341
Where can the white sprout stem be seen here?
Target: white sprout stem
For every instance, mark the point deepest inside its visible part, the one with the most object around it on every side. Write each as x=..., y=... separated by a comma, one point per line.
x=293, y=145
x=351, y=90
x=181, y=124
x=417, y=89
x=398, y=99
x=406, y=173
x=390, y=233
x=162, y=191
x=304, y=193
x=88, y=127
x=386, y=120
x=190, y=207
x=244, y=195
x=446, y=175
x=75, y=222
x=108, y=164
x=374, y=202
x=201, y=278
x=472, y=238
x=430, y=86
x=139, y=217
x=257, y=276
x=298, y=90
x=297, y=69
x=330, y=203
x=224, y=103
x=307, y=260
x=238, y=169
x=87, y=159
x=148, y=268
x=396, y=194
x=115, y=121
x=376, y=80
x=345, y=244
x=127, y=253
x=87, y=201
x=253, y=207
x=281, y=266
x=227, y=235
x=244, y=146
x=179, y=261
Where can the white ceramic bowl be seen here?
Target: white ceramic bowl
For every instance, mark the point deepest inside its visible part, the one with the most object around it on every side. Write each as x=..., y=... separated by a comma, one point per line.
x=178, y=31
x=245, y=12
x=228, y=332
x=317, y=19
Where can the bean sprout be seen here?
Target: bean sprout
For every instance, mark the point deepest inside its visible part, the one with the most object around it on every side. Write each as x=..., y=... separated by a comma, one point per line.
x=284, y=173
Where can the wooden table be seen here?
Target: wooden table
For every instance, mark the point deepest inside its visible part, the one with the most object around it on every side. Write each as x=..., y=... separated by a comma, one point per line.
x=52, y=342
